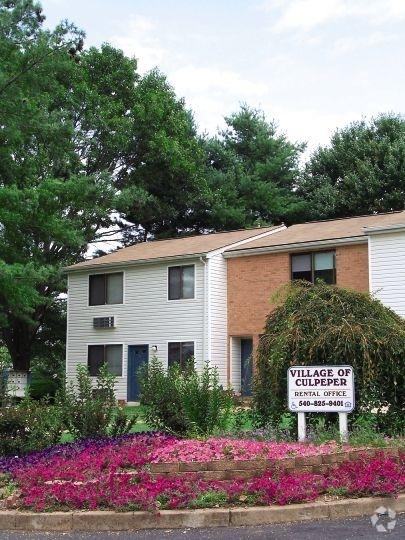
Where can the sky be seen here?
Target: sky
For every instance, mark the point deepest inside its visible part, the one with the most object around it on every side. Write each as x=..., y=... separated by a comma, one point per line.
x=312, y=66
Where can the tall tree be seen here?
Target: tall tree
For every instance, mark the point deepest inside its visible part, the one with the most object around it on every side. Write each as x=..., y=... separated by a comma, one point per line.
x=252, y=171
x=162, y=176
x=362, y=171
x=62, y=116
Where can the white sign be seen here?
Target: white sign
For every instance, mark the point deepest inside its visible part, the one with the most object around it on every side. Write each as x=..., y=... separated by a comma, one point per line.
x=321, y=389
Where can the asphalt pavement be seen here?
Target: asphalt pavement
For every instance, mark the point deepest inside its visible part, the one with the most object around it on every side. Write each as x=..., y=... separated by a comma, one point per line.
x=343, y=529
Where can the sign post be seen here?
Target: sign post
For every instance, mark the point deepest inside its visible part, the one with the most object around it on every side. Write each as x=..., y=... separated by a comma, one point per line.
x=321, y=389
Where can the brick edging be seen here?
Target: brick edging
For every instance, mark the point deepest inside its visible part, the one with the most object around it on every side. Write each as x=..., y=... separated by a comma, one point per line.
x=175, y=519
x=229, y=469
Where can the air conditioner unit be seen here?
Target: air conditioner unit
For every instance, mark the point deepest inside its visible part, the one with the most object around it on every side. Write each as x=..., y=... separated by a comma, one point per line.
x=103, y=322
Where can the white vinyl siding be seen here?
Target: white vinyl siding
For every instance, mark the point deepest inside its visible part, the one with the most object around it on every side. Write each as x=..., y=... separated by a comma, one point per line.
x=146, y=317
x=217, y=315
x=235, y=352
x=386, y=268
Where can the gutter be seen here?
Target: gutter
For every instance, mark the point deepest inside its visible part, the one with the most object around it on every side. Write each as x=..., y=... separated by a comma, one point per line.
x=119, y=264
x=206, y=323
x=297, y=246
x=384, y=229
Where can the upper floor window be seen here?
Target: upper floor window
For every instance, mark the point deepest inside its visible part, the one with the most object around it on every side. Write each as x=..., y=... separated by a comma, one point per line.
x=313, y=266
x=106, y=289
x=180, y=352
x=181, y=282
x=104, y=354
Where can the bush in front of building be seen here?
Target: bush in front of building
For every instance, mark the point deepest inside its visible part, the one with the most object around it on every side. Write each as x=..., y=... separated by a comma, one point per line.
x=28, y=426
x=89, y=408
x=184, y=402
x=327, y=325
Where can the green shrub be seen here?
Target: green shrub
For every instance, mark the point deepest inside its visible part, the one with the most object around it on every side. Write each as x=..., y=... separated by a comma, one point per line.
x=209, y=499
x=161, y=397
x=30, y=425
x=364, y=431
x=88, y=409
x=325, y=325
x=12, y=432
x=184, y=402
x=43, y=383
x=207, y=406
x=121, y=422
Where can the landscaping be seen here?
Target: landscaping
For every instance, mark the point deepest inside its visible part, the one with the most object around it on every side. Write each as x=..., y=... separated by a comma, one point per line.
x=117, y=474
x=191, y=444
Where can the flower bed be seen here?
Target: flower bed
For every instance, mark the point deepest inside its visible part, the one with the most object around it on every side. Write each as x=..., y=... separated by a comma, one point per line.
x=115, y=474
x=186, y=450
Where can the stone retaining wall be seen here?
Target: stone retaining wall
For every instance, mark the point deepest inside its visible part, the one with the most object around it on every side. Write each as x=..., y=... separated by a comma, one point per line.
x=228, y=469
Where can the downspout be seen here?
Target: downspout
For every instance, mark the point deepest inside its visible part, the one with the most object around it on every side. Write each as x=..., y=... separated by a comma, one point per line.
x=370, y=269
x=206, y=330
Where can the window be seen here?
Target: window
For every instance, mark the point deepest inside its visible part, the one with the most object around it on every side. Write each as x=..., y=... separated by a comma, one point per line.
x=105, y=354
x=313, y=266
x=181, y=282
x=180, y=352
x=106, y=289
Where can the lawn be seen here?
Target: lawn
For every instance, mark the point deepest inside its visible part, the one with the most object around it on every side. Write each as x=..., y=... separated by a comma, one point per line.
x=115, y=474
x=141, y=425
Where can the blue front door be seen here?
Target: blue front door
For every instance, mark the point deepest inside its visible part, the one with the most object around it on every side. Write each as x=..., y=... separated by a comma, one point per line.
x=246, y=366
x=137, y=355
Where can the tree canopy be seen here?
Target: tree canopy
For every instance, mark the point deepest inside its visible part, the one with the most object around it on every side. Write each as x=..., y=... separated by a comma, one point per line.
x=362, y=171
x=59, y=125
x=324, y=325
x=86, y=142
x=252, y=171
x=161, y=178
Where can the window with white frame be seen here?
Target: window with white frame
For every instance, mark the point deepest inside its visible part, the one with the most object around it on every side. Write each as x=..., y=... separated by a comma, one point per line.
x=313, y=266
x=181, y=282
x=106, y=289
x=98, y=355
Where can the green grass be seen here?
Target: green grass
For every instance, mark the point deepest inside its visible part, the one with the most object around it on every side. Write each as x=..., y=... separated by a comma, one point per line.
x=140, y=424
x=240, y=422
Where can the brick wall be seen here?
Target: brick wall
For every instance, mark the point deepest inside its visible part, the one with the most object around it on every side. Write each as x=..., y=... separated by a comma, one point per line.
x=253, y=281
x=352, y=267
x=231, y=469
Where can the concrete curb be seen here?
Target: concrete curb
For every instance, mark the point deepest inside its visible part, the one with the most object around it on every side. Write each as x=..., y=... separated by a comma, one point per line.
x=13, y=520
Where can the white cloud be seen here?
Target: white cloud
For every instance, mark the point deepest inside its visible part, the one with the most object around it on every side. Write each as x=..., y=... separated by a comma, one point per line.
x=346, y=45
x=381, y=11
x=215, y=80
x=306, y=14
x=300, y=126
x=139, y=40
x=213, y=93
